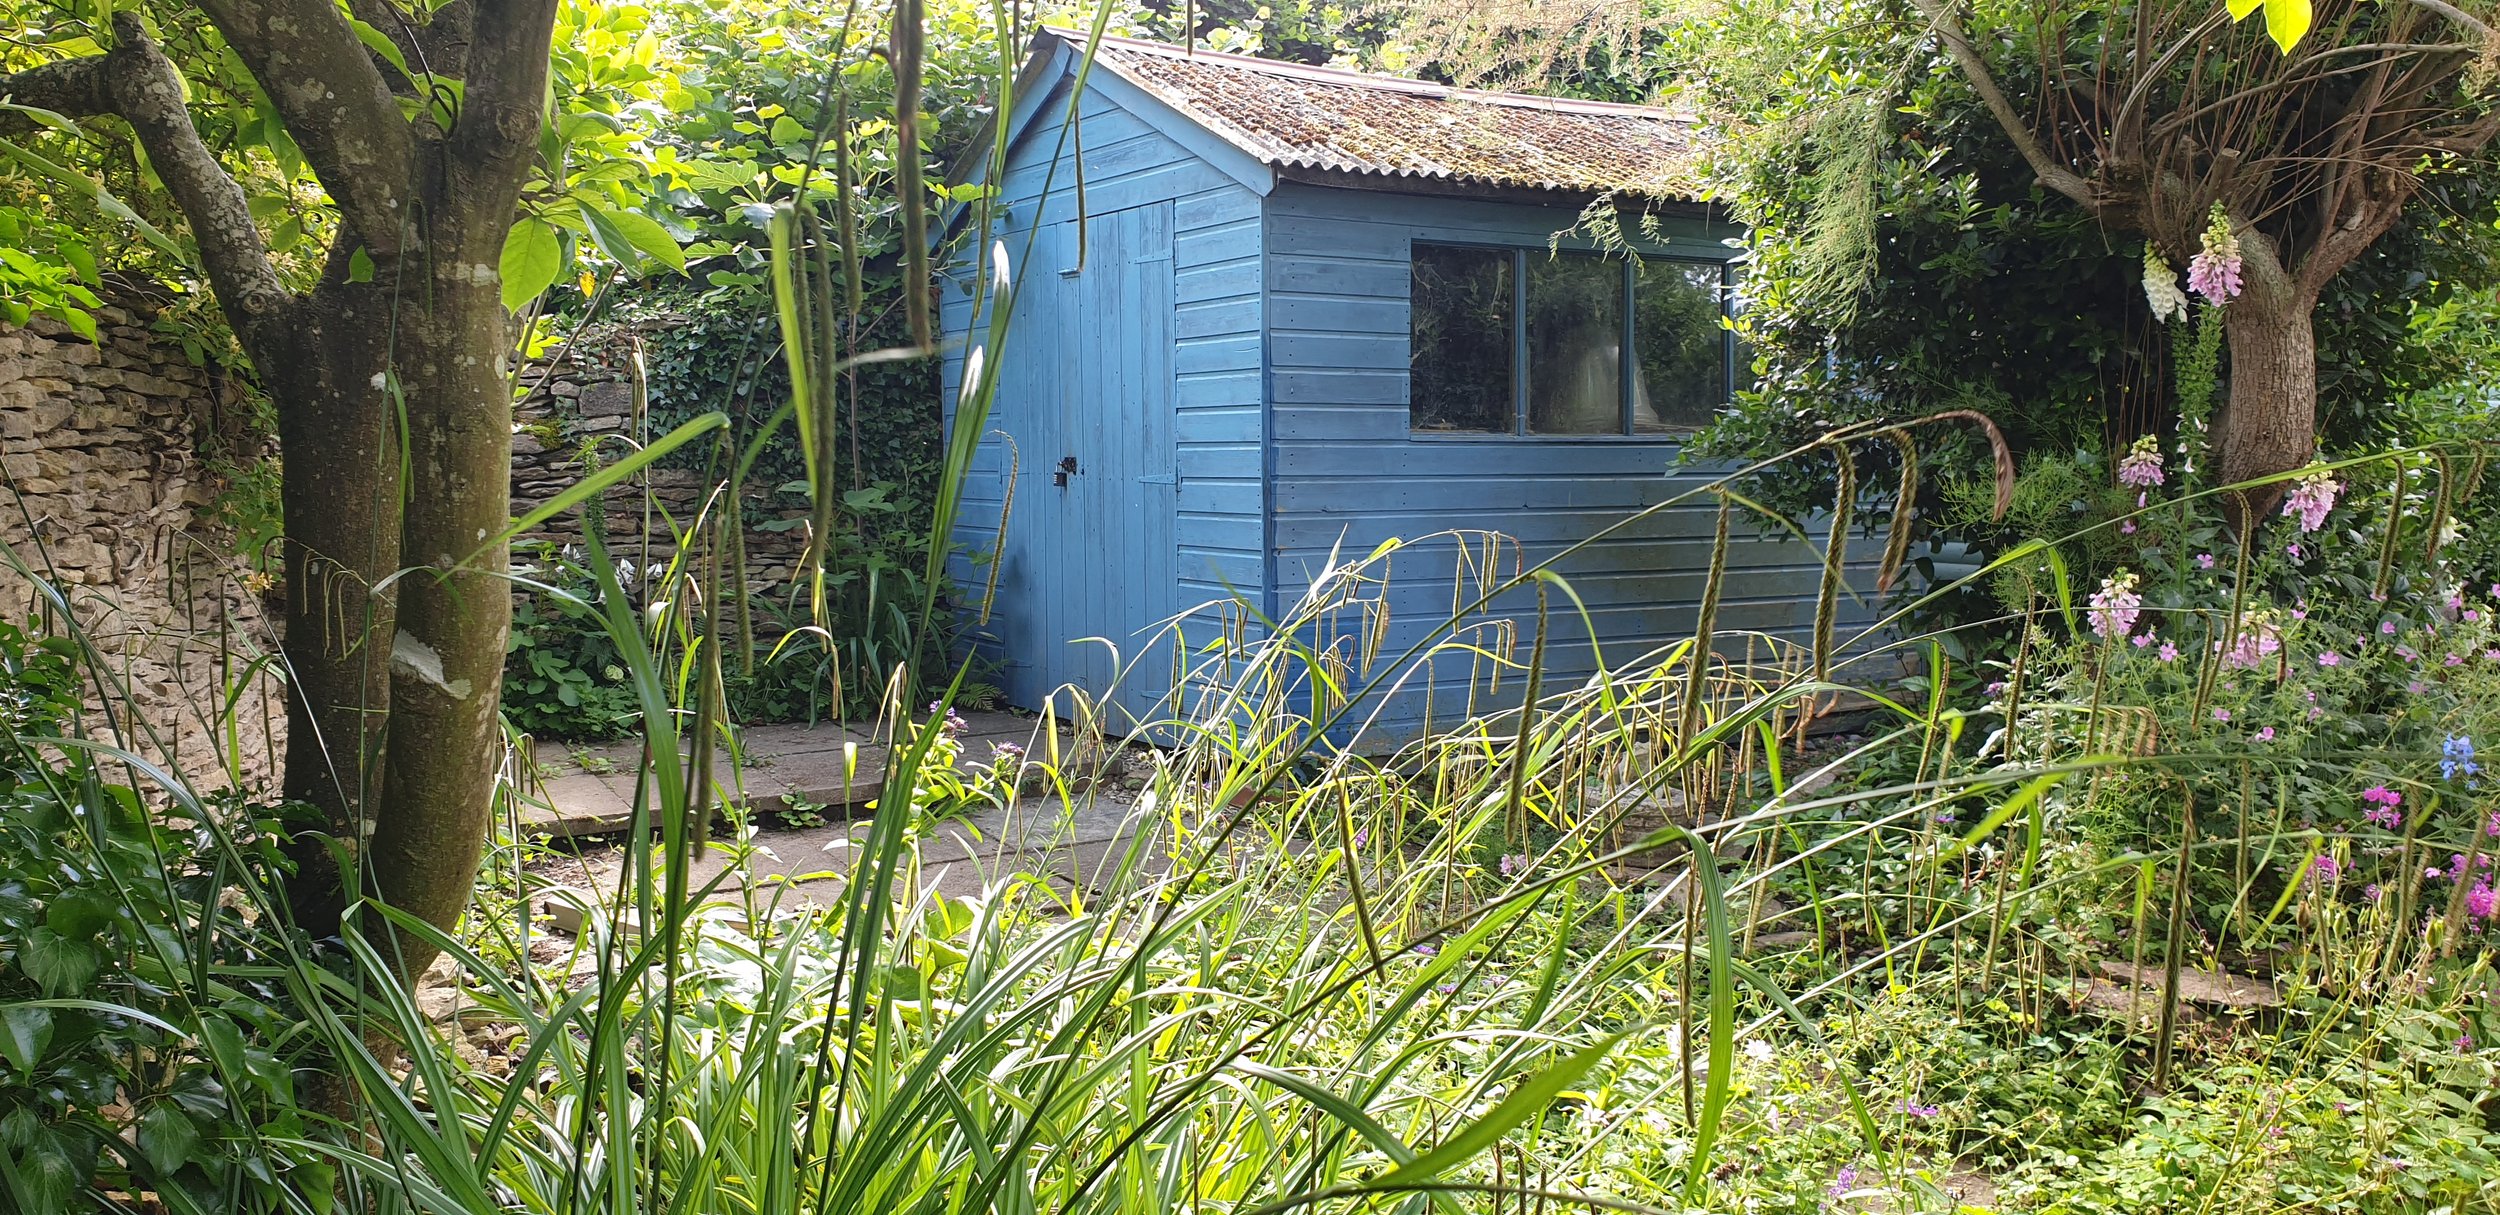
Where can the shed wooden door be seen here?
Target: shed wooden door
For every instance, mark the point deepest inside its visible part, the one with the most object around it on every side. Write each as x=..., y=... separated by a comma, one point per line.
x=1106, y=537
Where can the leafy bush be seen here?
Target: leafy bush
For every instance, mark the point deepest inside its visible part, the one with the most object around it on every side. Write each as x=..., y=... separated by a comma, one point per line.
x=142, y=1046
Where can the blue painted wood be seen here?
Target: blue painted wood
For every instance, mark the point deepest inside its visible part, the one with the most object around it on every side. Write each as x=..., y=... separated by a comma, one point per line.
x=1346, y=473
x=1229, y=370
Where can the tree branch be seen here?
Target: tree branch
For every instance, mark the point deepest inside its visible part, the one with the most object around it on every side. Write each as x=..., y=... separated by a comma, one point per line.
x=337, y=107
x=505, y=101
x=73, y=88
x=1975, y=69
x=144, y=87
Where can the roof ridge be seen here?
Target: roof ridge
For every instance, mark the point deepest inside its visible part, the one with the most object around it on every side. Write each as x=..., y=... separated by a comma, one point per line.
x=1351, y=78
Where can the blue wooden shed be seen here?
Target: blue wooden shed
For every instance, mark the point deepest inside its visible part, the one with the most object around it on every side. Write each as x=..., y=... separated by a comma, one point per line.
x=1311, y=310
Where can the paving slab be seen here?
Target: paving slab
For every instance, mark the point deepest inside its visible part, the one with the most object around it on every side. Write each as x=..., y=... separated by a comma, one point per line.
x=836, y=769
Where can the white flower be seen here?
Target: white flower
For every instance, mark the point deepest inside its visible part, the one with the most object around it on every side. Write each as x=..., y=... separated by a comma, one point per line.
x=381, y=378
x=1759, y=1051
x=2161, y=288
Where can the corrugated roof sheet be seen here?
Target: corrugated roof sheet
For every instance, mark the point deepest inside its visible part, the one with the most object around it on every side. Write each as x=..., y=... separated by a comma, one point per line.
x=1298, y=117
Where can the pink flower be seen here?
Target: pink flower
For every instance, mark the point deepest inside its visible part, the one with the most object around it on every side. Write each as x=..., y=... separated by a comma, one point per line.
x=2215, y=277
x=2143, y=639
x=2222, y=715
x=2326, y=867
x=2215, y=270
x=2204, y=561
x=2115, y=606
x=2141, y=467
x=2292, y=551
x=2371, y=892
x=2330, y=658
x=2387, y=628
x=2266, y=734
x=2127, y=528
x=2456, y=660
x=2480, y=902
x=2168, y=652
x=2491, y=655
x=2311, y=498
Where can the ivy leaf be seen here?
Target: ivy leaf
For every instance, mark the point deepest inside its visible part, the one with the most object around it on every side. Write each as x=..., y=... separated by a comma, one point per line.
x=58, y=964
x=24, y=1032
x=360, y=266
x=78, y=916
x=167, y=1138
x=531, y=261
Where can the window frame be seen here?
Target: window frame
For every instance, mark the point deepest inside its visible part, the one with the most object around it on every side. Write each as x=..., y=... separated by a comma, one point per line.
x=1626, y=368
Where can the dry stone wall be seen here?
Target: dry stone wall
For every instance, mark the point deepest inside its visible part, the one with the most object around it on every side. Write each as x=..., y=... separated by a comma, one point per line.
x=106, y=495
x=581, y=409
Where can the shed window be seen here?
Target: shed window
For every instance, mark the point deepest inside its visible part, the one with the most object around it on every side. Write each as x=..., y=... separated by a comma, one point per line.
x=1513, y=341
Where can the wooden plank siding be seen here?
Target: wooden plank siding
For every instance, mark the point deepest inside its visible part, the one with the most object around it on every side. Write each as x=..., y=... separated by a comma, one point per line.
x=1142, y=361
x=1346, y=472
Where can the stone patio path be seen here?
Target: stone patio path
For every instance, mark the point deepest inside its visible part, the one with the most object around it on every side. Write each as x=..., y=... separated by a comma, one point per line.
x=829, y=773
x=834, y=767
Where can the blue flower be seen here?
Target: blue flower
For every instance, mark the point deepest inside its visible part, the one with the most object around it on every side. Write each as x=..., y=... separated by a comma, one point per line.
x=2456, y=758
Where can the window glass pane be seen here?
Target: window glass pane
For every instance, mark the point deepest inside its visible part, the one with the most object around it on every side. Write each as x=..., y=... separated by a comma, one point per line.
x=1680, y=346
x=1458, y=377
x=1575, y=345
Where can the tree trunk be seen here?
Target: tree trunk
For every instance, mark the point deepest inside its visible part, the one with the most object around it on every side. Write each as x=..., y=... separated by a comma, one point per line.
x=455, y=603
x=341, y=497
x=2270, y=422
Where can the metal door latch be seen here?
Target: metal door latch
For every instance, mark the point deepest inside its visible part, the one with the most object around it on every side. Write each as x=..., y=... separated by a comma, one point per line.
x=1067, y=468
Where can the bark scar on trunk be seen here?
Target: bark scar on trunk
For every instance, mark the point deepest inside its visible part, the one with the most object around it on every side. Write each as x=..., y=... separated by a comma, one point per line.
x=426, y=663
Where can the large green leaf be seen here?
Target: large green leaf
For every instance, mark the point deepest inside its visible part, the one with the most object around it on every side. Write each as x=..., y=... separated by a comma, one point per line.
x=56, y=963
x=531, y=260
x=624, y=234
x=167, y=1137
x=24, y=1032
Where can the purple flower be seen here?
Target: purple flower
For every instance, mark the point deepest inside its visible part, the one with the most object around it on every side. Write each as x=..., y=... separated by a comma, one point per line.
x=2387, y=628
x=2266, y=734
x=2141, y=467
x=1842, y=1182
x=1362, y=836
x=2292, y=551
x=2168, y=652
x=2115, y=606
x=2326, y=868
x=1915, y=1110
x=2221, y=714
x=2215, y=270
x=1514, y=864
x=2311, y=498
x=2372, y=893
x=2204, y=561
x=2465, y=1043
x=2330, y=658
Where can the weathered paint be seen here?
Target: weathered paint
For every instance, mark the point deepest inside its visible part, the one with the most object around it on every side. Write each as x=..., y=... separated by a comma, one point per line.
x=1138, y=358
x=1228, y=367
